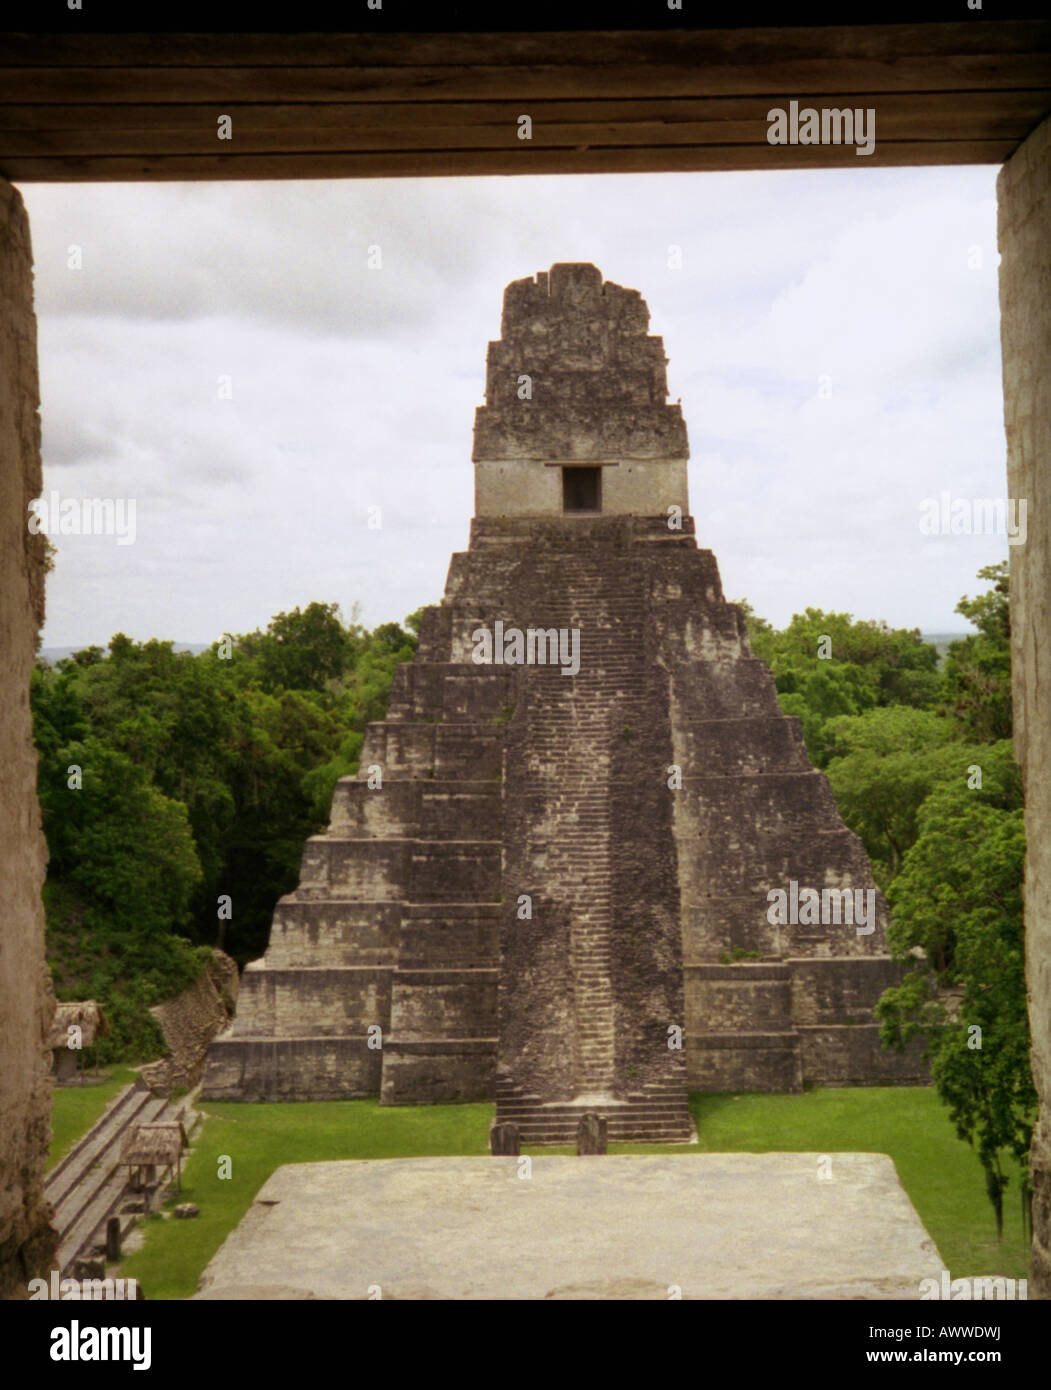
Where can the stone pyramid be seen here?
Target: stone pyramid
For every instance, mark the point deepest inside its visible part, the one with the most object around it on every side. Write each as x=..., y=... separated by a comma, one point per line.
x=550, y=881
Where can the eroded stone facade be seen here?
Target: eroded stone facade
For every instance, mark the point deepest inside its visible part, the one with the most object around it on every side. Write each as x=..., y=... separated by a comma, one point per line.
x=576, y=378
x=561, y=869
x=189, y=1022
x=27, y=1001
x=1024, y=234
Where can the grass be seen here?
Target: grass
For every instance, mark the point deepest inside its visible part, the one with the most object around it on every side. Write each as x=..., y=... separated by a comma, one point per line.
x=940, y=1173
x=74, y=1109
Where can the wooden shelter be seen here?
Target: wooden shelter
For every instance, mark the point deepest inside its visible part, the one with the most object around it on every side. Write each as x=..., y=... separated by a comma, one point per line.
x=66, y=1043
x=152, y=1146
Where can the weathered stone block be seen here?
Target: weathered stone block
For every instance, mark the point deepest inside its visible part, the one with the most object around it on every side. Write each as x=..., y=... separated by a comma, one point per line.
x=457, y=871
x=453, y=935
x=505, y=1139
x=328, y=1068
x=443, y=1004
x=388, y=811
x=849, y=1054
x=313, y=1001
x=419, y=1072
x=745, y=997
x=744, y=1062
x=592, y=1135
x=331, y=932
x=838, y=989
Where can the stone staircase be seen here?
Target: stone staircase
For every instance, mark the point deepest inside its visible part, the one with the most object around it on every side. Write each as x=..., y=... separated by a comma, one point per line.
x=576, y=731
x=575, y=752
x=658, y=1115
x=88, y=1185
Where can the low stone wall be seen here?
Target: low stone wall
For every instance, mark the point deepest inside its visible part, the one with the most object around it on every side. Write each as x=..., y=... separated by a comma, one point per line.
x=456, y=1071
x=327, y=1001
x=744, y=1062
x=849, y=1054
x=288, y=1069
x=839, y=989
x=189, y=1022
x=777, y=1026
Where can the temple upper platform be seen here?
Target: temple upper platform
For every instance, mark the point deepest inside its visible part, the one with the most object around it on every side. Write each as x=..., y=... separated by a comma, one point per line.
x=576, y=420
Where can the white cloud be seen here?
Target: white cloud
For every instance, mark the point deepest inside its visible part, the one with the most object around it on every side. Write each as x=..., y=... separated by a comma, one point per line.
x=355, y=388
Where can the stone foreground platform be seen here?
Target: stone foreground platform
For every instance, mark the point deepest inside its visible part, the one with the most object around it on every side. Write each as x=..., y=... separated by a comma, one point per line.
x=716, y=1226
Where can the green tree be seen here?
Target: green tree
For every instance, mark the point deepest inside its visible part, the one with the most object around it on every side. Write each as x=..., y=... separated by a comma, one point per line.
x=957, y=926
x=886, y=762
x=203, y=778
x=304, y=650
x=175, y=716
x=826, y=665
x=978, y=667
x=122, y=874
x=126, y=846
x=363, y=698
x=279, y=739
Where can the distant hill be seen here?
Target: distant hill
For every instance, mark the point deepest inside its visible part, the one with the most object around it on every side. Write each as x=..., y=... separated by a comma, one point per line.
x=54, y=654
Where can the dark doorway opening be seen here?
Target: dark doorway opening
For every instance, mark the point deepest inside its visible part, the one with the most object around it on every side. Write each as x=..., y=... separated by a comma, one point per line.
x=582, y=489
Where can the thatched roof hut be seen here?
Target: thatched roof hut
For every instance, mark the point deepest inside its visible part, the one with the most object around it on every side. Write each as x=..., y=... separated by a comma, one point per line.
x=86, y=1015
x=154, y=1145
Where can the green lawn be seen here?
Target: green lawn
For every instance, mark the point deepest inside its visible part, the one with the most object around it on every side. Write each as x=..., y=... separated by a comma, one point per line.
x=74, y=1109
x=942, y=1176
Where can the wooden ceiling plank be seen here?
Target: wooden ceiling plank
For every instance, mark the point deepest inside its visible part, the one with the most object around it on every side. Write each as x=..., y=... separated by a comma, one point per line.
x=951, y=124
x=144, y=86
x=367, y=116
x=747, y=47
x=475, y=163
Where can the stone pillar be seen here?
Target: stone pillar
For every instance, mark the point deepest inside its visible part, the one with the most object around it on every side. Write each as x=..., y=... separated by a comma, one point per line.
x=505, y=1139
x=113, y=1239
x=27, y=1242
x=592, y=1134
x=1024, y=234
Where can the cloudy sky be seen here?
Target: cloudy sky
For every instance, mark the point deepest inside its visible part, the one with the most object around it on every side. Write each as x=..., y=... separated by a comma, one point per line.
x=833, y=337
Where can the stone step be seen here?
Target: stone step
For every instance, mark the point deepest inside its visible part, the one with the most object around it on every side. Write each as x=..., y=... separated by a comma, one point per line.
x=92, y=1179
x=541, y=1111
x=560, y=1110
x=407, y=870
x=787, y=1037
x=565, y=1108
x=450, y=809
x=81, y=1216
x=457, y=1003
x=430, y=750
x=635, y=1124
x=120, y=1112
x=539, y=1129
x=620, y=1132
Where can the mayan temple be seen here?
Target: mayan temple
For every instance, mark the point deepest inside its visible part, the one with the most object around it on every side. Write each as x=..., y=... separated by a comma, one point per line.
x=549, y=882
